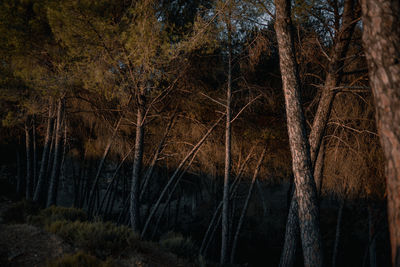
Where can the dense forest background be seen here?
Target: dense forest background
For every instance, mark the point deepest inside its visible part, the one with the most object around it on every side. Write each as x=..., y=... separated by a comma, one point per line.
x=169, y=117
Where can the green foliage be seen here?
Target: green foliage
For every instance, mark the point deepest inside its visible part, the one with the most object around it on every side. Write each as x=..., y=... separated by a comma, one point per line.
x=101, y=239
x=78, y=259
x=19, y=212
x=179, y=245
x=53, y=214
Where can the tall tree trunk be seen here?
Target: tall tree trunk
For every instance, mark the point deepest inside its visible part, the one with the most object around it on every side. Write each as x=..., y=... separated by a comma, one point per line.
x=227, y=171
x=306, y=194
x=381, y=38
x=149, y=172
x=100, y=167
x=34, y=155
x=20, y=179
x=134, y=209
x=175, y=174
x=28, y=149
x=333, y=79
x=245, y=206
x=337, y=234
x=45, y=155
x=55, y=172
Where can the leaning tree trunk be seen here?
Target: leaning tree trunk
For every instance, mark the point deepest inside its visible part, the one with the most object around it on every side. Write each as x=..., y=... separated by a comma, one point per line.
x=381, y=38
x=246, y=204
x=134, y=209
x=175, y=174
x=46, y=149
x=55, y=172
x=333, y=79
x=337, y=233
x=306, y=193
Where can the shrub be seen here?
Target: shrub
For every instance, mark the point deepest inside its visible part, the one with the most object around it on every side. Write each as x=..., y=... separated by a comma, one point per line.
x=19, y=212
x=53, y=214
x=101, y=239
x=179, y=245
x=77, y=260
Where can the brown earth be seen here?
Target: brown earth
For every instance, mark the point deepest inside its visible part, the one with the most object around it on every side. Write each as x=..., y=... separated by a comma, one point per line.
x=25, y=245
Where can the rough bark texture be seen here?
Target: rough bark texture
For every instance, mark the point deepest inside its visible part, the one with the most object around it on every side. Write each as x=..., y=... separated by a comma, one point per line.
x=333, y=79
x=137, y=167
x=381, y=38
x=55, y=172
x=306, y=194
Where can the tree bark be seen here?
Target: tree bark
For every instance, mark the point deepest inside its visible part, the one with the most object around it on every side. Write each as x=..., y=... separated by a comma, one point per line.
x=306, y=194
x=28, y=149
x=55, y=172
x=333, y=79
x=225, y=198
x=381, y=39
x=134, y=209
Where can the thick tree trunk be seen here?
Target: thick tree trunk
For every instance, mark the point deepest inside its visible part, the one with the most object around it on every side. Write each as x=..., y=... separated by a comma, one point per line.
x=55, y=172
x=306, y=194
x=134, y=209
x=45, y=155
x=29, y=171
x=381, y=38
x=245, y=206
x=333, y=79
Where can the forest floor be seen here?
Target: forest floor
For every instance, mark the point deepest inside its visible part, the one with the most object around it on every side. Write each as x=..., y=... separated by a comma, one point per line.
x=27, y=245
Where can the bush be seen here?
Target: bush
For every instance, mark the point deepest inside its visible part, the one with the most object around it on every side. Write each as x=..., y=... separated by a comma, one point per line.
x=78, y=259
x=101, y=239
x=179, y=245
x=19, y=212
x=53, y=214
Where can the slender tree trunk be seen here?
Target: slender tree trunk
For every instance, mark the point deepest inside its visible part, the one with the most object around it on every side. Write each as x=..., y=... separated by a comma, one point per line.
x=319, y=169
x=225, y=198
x=137, y=167
x=381, y=38
x=102, y=160
x=29, y=171
x=19, y=173
x=34, y=154
x=55, y=173
x=45, y=155
x=212, y=224
x=333, y=79
x=337, y=235
x=262, y=198
x=308, y=210
x=246, y=204
x=175, y=174
x=149, y=172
